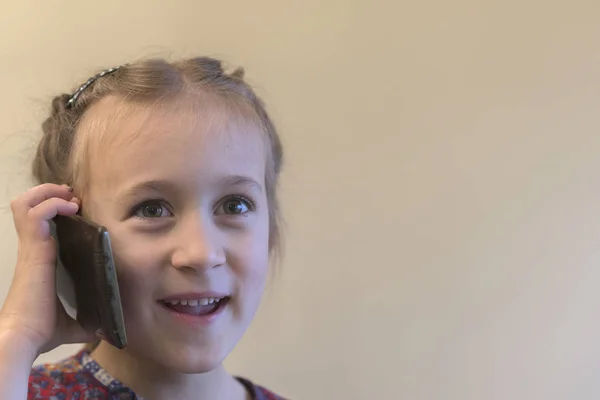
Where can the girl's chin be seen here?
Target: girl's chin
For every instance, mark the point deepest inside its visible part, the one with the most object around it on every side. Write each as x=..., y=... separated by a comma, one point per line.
x=185, y=359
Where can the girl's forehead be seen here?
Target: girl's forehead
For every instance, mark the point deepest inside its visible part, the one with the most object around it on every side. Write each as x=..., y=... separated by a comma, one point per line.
x=115, y=122
x=125, y=138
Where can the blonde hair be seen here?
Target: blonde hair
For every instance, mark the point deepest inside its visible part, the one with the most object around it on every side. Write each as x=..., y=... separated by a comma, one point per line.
x=60, y=155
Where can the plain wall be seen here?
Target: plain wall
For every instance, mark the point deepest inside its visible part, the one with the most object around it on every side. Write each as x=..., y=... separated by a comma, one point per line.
x=441, y=189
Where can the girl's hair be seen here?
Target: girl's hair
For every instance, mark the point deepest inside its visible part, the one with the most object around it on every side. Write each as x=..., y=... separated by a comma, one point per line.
x=61, y=152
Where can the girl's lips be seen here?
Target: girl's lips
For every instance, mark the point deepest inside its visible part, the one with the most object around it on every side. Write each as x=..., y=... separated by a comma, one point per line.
x=196, y=312
x=195, y=296
x=196, y=307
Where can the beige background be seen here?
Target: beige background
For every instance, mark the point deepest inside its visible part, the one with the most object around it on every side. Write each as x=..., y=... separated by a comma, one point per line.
x=441, y=188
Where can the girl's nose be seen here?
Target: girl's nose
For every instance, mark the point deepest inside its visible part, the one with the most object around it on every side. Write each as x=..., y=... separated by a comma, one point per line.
x=199, y=248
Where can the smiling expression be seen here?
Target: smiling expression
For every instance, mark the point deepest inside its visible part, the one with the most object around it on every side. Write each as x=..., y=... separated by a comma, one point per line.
x=182, y=194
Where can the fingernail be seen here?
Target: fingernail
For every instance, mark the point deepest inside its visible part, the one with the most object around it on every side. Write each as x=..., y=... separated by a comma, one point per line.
x=69, y=188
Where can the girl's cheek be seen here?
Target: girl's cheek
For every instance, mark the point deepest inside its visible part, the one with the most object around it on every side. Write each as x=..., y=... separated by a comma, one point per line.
x=136, y=262
x=135, y=250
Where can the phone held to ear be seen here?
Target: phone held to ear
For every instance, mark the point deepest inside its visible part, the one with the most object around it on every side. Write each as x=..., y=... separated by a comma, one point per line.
x=86, y=278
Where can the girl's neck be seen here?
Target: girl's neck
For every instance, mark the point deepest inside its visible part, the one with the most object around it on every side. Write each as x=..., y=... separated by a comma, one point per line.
x=154, y=382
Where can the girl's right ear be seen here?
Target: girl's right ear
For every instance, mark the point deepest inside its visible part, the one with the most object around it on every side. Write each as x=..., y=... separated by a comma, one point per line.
x=79, y=210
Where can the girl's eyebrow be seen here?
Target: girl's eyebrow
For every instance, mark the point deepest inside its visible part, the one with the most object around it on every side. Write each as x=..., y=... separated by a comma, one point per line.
x=162, y=186
x=146, y=186
x=240, y=180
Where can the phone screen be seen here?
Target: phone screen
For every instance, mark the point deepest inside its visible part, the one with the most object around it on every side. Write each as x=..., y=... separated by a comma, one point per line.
x=87, y=282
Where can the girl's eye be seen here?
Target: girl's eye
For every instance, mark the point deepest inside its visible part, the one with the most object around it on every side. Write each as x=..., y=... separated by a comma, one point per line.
x=152, y=209
x=235, y=206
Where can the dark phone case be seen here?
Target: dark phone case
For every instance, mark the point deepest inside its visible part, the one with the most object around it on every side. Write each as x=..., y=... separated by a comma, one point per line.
x=85, y=252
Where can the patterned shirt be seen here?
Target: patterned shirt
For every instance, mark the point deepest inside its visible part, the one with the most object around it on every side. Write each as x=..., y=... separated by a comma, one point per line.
x=81, y=378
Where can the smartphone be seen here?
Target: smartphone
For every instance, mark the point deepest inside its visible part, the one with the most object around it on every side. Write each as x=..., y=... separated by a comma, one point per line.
x=86, y=278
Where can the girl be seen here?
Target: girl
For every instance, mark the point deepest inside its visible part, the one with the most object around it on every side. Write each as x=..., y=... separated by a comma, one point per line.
x=179, y=161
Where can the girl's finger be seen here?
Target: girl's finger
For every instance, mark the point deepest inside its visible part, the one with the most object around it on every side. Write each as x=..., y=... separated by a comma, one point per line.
x=39, y=216
x=39, y=194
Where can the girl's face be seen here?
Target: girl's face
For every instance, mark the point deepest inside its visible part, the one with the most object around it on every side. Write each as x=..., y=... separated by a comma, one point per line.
x=183, y=197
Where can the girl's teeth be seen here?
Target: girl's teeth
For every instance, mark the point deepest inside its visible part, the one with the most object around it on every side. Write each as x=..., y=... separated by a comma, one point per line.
x=193, y=303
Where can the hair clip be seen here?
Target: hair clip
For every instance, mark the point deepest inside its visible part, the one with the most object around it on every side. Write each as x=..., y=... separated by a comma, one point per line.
x=93, y=79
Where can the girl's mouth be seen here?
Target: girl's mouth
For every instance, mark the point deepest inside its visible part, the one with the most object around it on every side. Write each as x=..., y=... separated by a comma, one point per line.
x=198, y=307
